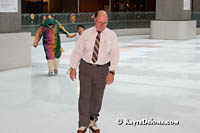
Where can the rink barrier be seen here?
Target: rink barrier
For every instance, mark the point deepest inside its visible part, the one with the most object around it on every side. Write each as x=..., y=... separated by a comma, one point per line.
x=117, y=20
x=173, y=30
x=198, y=31
x=15, y=50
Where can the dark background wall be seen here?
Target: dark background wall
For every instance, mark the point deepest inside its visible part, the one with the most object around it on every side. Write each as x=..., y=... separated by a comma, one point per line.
x=133, y=5
x=196, y=5
x=92, y=5
x=69, y=6
x=150, y=5
x=62, y=6
x=32, y=6
x=53, y=6
x=11, y=22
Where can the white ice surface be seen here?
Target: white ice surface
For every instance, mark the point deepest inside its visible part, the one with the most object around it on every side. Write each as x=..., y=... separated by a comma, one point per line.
x=157, y=79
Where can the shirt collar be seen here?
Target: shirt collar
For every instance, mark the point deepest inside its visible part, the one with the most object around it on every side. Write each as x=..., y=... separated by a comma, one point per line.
x=95, y=29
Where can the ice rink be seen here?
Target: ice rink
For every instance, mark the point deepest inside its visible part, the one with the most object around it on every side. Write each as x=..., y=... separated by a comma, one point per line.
x=156, y=79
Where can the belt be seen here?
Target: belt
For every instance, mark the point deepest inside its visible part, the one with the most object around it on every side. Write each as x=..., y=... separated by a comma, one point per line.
x=94, y=65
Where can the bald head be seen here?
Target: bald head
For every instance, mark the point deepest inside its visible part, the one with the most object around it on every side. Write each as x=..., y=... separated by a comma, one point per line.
x=101, y=20
x=101, y=12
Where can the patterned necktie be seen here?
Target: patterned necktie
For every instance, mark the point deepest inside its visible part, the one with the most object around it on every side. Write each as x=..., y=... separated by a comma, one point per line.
x=96, y=48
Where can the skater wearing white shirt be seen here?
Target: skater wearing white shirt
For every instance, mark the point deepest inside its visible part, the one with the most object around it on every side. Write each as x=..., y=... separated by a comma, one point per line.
x=98, y=50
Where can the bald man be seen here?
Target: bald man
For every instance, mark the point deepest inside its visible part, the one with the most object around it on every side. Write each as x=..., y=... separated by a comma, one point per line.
x=98, y=50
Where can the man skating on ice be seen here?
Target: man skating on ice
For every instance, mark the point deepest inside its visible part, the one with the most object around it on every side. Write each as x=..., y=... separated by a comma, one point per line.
x=97, y=47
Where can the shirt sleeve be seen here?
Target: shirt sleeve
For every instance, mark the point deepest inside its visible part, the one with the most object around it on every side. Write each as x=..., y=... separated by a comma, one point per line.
x=38, y=36
x=114, y=54
x=77, y=53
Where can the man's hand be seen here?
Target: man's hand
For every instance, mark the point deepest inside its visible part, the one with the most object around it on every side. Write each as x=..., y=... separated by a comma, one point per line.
x=72, y=74
x=109, y=78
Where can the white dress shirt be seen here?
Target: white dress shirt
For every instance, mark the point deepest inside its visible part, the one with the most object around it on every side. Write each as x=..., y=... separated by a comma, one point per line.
x=108, y=48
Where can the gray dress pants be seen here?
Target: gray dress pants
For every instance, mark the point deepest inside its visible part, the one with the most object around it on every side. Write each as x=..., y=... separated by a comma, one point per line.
x=92, y=86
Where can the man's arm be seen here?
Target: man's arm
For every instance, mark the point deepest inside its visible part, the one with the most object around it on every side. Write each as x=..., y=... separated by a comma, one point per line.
x=76, y=56
x=113, y=61
x=114, y=54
